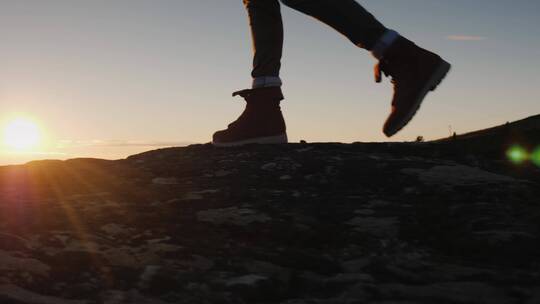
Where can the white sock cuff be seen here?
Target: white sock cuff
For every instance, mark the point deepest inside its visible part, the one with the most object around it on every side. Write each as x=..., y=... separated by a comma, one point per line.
x=384, y=42
x=266, y=81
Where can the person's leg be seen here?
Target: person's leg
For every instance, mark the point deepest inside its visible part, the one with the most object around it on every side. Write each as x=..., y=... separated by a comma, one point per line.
x=262, y=121
x=350, y=19
x=414, y=71
x=267, y=35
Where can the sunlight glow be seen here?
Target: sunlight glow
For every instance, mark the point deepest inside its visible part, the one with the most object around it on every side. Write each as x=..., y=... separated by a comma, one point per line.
x=22, y=134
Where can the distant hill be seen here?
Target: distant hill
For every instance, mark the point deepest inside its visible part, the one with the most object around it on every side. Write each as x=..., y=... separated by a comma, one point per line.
x=494, y=141
x=529, y=124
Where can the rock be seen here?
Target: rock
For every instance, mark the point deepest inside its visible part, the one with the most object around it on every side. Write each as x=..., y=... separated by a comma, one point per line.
x=252, y=288
x=222, y=173
x=349, y=278
x=165, y=181
x=304, y=149
x=148, y=274
x=457, y=272
x=245, y=281
x=450, y=292
x=9, y=262
x=311, y=281
x=114, y=230
x=384, y=226
x=500, y=236
x=458, y=175
x=270, y=270
x=405, y=275
x=269, y=166
x=122, y=257
x=156, y=241
x=207, y=191
x=198, y=263
x=126, y=297
x=362, y=293
x=192, y=197
x=534, y=298
x=377, y=203
x=232, y=216
x=365, y=212
x=160, y=248
x=15, y=294
x=354, y=266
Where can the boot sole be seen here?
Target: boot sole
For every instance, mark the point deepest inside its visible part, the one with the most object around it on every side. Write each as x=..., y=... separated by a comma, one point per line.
x=278, y=139
x=436, y=78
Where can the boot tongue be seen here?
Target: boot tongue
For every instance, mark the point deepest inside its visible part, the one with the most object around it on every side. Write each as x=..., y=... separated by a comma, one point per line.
x=242, y=93
x=262, y=97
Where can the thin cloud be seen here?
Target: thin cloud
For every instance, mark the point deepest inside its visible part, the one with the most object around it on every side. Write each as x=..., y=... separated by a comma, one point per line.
x=119, y=143
x=36, y=153
x=465, y=38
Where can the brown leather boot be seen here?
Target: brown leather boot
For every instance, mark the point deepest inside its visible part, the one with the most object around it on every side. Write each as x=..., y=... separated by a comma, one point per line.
x=260, y=123
x=415, y=72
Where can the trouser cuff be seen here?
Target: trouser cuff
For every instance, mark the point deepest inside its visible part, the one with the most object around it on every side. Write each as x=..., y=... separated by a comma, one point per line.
x=386, y=40
x=266, y=81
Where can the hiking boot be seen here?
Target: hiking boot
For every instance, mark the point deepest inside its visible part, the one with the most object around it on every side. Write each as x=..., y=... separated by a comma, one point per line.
x=260, y=123
x=415, y=72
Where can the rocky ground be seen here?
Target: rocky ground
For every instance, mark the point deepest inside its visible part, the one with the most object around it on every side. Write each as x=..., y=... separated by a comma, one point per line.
x=299, y=223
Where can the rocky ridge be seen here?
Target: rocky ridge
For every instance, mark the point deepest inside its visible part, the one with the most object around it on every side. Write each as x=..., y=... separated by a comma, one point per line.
x=297, y=223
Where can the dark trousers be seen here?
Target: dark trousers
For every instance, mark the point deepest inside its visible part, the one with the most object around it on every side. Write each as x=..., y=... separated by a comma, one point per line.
x=345, y=16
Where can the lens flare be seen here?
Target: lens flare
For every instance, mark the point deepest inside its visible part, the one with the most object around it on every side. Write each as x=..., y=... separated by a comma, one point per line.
x=535, y=157
x=517, y=154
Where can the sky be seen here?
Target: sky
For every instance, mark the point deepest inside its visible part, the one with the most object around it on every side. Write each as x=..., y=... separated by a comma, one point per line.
x=108, y=78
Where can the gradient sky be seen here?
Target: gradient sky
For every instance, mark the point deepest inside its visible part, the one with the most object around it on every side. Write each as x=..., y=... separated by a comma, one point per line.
x=109, y=78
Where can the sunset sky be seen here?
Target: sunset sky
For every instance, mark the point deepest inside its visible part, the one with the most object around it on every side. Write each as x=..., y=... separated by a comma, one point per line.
x=107, y=79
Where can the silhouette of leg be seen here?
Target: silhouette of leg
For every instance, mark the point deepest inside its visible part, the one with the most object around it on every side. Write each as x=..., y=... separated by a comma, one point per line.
x=262, y=121
x=414, y=71
x=267, y=34
x=346, y=16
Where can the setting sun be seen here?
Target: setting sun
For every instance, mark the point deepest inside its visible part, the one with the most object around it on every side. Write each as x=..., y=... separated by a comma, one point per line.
x=21, y=134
